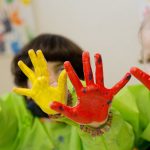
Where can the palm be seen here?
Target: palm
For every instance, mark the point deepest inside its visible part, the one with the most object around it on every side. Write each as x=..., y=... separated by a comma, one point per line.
x=93, y=100
x=141, y=76
x=41, y=92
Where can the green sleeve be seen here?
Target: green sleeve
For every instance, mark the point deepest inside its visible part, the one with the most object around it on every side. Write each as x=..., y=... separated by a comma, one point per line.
x=133, y=102
x=8, y=122
x=19, y=130
x=119, y=137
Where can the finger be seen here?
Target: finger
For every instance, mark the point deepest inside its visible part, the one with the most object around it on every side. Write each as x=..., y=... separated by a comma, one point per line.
x=73, y=77
x=141, y=76
x=88, y=75
x=34, y=61
x=117, y=87
x=43, y=63
x=99, y=69
x=61, y=108
x=23, y=91
x=26, y=70
x=62, y=81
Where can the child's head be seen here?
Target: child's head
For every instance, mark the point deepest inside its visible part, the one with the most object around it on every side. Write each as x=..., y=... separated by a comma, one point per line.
x=56, y=50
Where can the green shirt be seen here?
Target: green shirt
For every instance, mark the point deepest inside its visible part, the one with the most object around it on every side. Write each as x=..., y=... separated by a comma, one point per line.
x=20, y=130
x=133, y=102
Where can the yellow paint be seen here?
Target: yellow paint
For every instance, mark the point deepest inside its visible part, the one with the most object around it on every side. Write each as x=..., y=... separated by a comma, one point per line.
x=41, y=92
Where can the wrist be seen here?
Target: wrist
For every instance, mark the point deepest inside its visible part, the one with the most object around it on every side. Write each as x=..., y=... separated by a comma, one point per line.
x=96, y=131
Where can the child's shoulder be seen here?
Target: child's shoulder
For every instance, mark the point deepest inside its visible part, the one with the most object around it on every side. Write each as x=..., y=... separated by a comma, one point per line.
x=14, y=103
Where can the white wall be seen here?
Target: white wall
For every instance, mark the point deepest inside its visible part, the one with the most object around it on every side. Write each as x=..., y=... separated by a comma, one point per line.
x=104, y=26
x=6, y=82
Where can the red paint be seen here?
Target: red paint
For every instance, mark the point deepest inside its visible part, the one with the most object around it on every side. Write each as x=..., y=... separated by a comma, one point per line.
x=94, y=99
x=141, y=76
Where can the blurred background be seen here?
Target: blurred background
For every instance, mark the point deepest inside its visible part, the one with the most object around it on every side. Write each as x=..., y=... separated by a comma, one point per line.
x=107, y=27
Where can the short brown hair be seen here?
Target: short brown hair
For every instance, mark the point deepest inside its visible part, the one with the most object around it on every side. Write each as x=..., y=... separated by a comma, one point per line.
x=54, y=48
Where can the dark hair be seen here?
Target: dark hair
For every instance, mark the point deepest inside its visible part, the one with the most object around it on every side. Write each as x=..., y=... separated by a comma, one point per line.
x=54, y=48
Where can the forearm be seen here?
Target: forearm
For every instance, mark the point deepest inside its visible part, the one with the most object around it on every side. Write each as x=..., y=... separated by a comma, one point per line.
x=114, y=138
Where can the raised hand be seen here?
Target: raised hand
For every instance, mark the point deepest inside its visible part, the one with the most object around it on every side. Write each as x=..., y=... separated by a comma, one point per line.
x=94, y=100
x=141, y=76
x=41, y=92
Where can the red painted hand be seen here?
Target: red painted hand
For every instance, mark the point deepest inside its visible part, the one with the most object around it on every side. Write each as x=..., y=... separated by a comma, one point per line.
x=141, y=76
x=93, y=100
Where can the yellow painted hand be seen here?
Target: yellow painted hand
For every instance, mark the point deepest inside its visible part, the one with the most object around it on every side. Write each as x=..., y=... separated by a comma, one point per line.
x=41, y=92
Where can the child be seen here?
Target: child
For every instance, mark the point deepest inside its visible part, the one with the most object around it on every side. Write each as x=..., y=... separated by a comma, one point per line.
x=56, y=50
x=67, y=134
x=34, y=132
x=23, y=124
